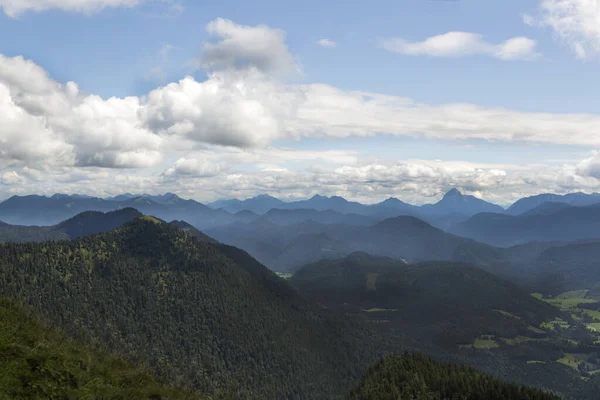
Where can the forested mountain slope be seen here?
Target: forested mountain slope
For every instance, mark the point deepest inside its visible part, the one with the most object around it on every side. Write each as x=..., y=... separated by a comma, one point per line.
x=417, y=377
x=439, y=302
x=202, y=315
x=41, y=363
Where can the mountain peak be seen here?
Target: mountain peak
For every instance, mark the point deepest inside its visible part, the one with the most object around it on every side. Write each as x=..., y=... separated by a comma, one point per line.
x=453, y=193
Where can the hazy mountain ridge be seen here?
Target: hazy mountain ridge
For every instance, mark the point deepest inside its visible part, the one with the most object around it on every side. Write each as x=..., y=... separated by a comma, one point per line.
x=83, y=224
x=548, y=222
x=574, y=199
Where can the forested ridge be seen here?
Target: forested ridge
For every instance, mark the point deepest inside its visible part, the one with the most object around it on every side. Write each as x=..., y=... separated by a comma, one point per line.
x=200, y=315
x=418, y=377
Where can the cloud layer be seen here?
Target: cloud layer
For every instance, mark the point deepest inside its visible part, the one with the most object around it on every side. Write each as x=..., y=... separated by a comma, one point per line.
x=459, y=44
x=575, y=22
x=214, y=137
x=14, y=8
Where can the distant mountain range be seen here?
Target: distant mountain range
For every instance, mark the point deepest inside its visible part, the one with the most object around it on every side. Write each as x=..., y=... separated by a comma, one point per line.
x=453, y=209
x=547, y=222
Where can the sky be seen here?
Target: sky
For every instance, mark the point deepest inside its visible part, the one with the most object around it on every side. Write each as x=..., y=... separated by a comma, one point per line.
x=367, y=100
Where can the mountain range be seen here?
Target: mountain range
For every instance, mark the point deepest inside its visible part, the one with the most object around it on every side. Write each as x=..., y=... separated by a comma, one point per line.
x=206, y=315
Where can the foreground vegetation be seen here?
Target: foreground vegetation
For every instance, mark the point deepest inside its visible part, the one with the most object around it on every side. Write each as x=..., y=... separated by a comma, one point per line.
x=201, y=315
x=40, y=363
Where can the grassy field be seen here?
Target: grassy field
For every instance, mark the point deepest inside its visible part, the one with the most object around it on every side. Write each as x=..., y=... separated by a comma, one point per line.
x=594, y=326
x=567, y=300
x=573, y=360
x=558, y=321
x=284, y=275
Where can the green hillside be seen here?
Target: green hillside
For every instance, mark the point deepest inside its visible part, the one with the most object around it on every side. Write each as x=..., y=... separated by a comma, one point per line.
x=417, y=377
x=201, y=315
x=40, y=363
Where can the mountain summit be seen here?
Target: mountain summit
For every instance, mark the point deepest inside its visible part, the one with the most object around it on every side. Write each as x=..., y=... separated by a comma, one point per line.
x=456, y=202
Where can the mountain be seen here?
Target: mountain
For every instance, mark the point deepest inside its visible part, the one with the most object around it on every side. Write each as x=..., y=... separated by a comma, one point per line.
x=322, y=203
x=574, y=199
x=42, y=210
x=86, y=223
x=259, y=204
x=401, y=237
x=546, y=208
x=456, y=202
x=415, y=240
x=290, y=217
x=568, y=267
x=440, y=302
x=41, y=363
x=191, y=231
x=418, y=377
x=550, y=223
x=203, y=314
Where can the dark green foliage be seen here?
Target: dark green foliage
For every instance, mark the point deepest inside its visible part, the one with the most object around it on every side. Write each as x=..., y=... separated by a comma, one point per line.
x=199, y=314
x=39, y=363
x=191, y=231
x=418, y=377
x=441, y=302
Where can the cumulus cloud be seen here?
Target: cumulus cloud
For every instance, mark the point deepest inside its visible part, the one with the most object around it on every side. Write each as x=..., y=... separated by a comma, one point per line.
x=42, y=121
x=326, y=43
x=575, y=22
x=590, y=166
x=14, y=8
x=458, y=44
x=240, y=46
x=53, y=134
x=12, y=178
x=193, y=167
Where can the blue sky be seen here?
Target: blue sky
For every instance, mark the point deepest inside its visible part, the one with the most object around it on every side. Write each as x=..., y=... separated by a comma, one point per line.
x=501, y=101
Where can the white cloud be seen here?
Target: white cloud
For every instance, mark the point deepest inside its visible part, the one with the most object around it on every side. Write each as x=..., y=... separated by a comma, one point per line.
x=194, y=168
x=12, y=178
x=44, y=122
x=458, y=44
x=14, y=8
x=590, y=166
x=326, y=43
x=259, y=47
x=218, y=135
x=575, y=22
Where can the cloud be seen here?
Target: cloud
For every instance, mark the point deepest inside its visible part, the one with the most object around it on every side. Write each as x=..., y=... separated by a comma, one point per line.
x=590, y=166
x=12, y=178
x=459, y=44
x=326, y=43
x=45, y=122
x=14, y=8
x=194, y=168
x=575, y=22
x=259, y=47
